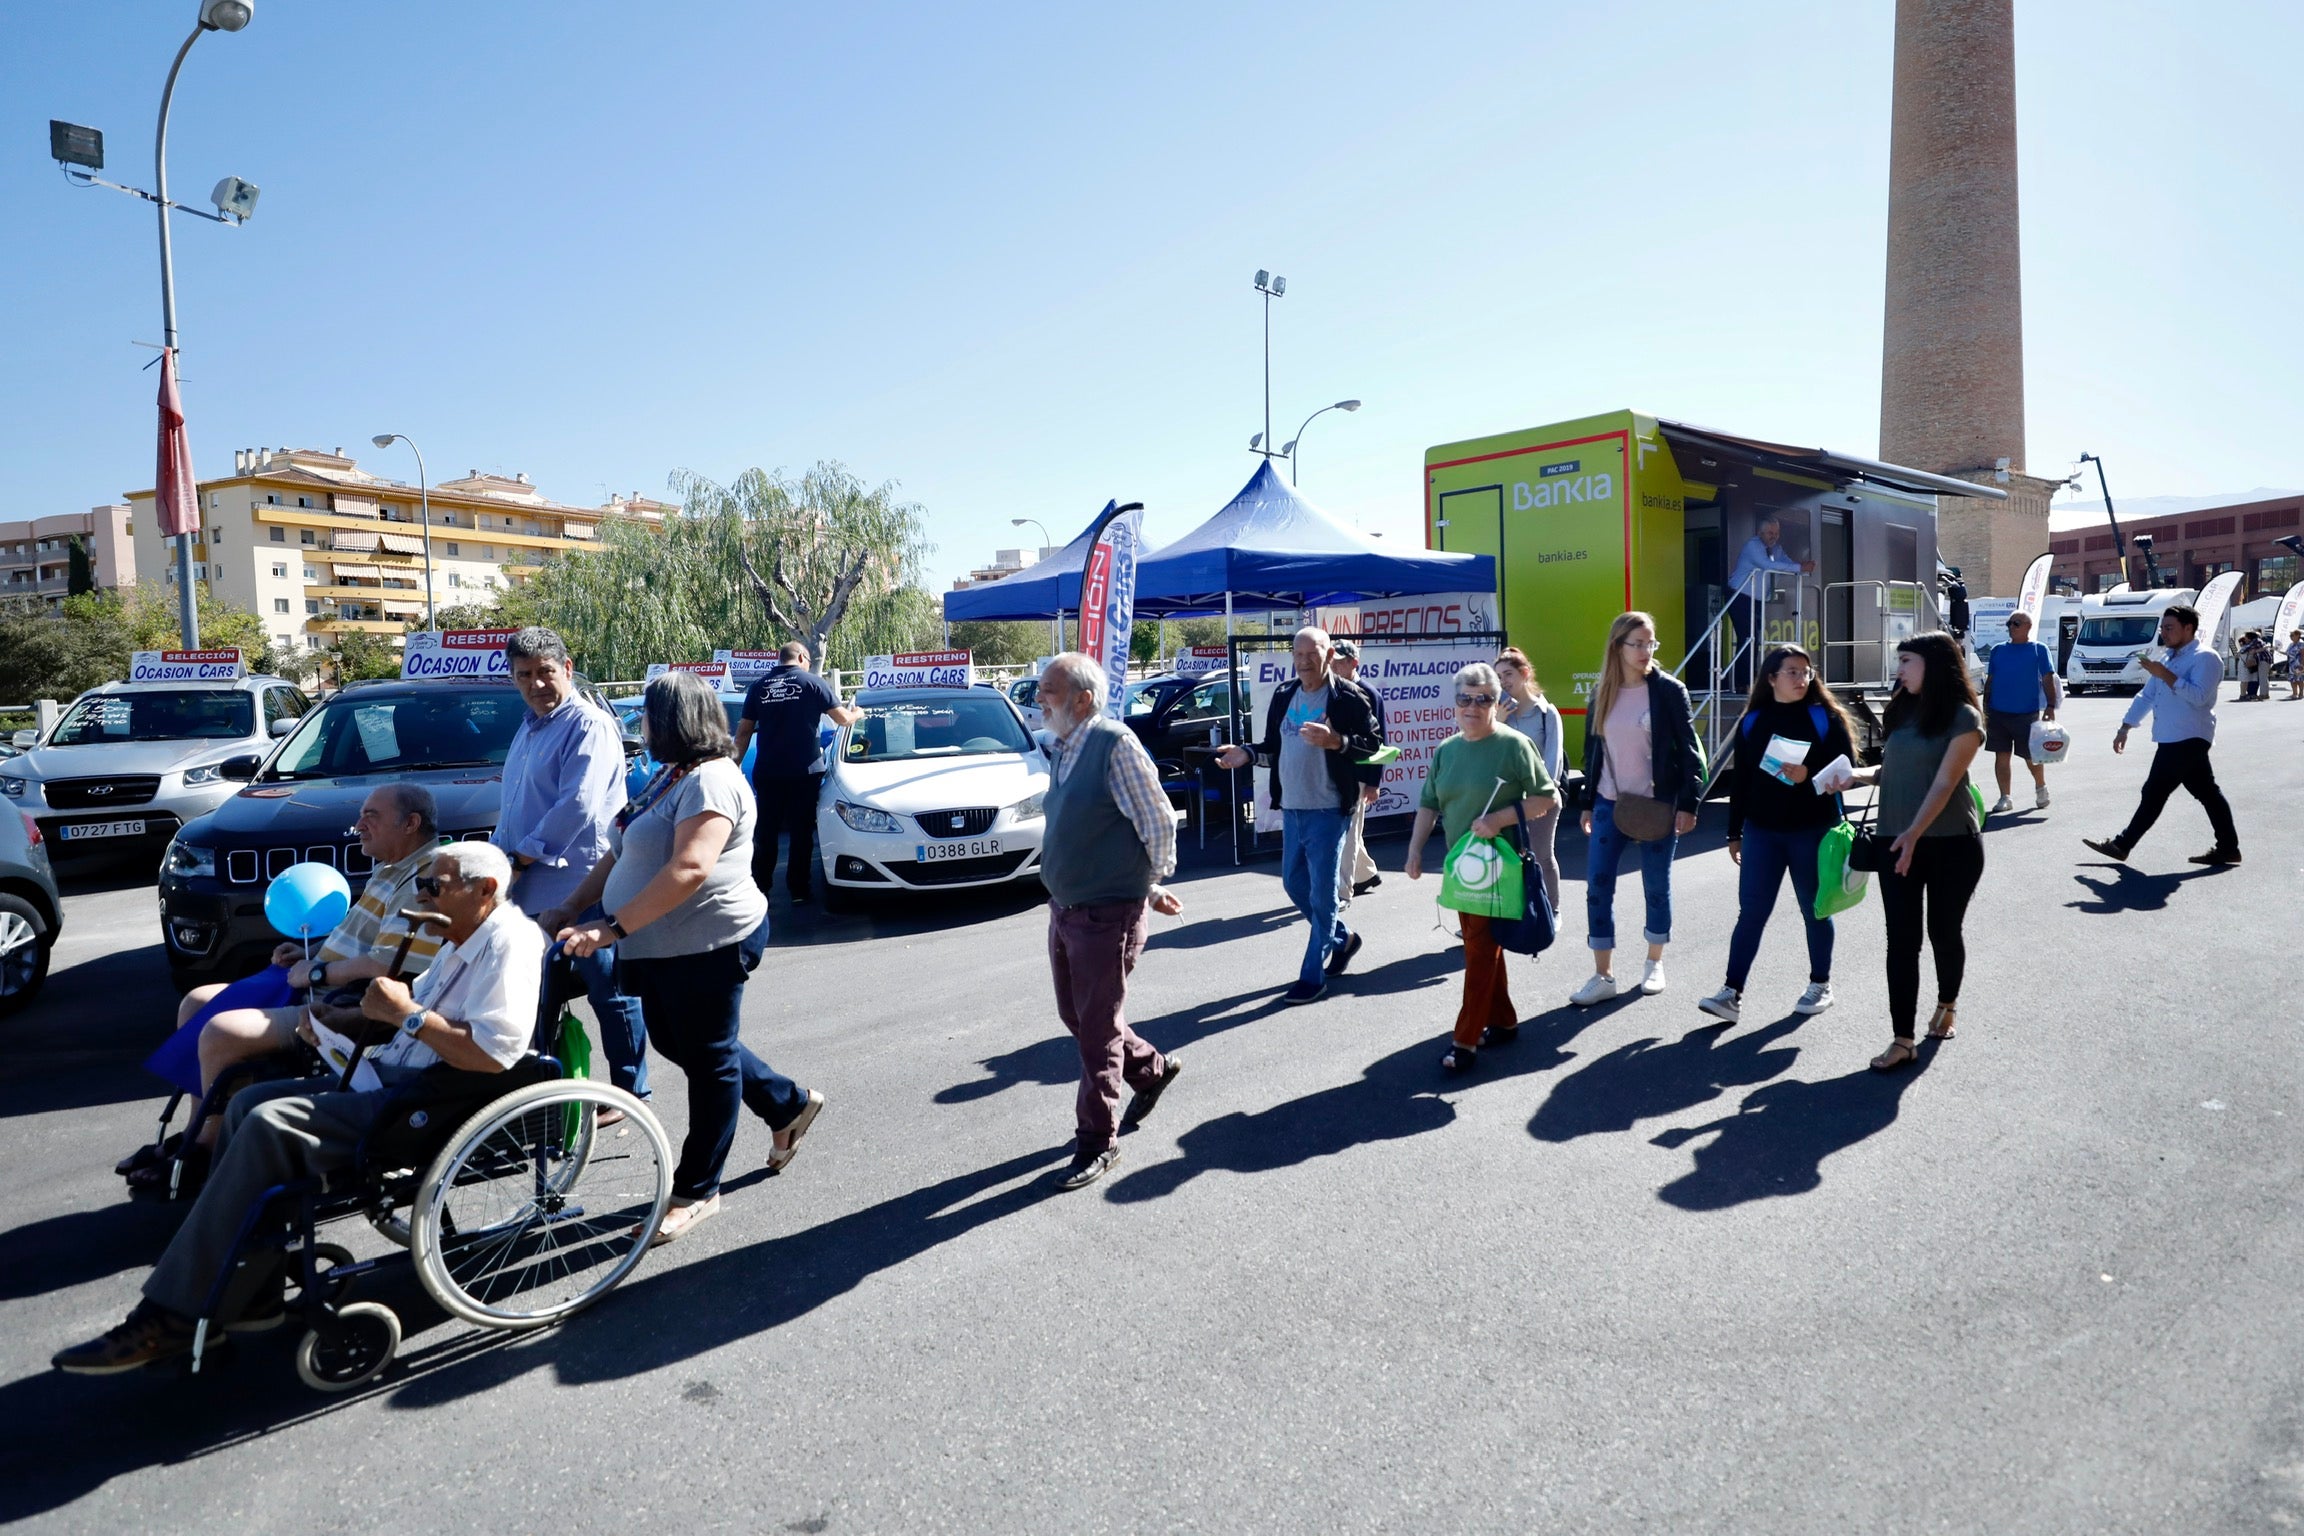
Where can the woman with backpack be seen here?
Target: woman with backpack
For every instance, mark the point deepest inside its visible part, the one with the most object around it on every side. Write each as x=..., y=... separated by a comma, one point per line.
x=1643, y=774
x=1777, y=820
x=1936, y=819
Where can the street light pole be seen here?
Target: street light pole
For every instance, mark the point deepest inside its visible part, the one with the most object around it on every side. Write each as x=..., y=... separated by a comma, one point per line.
x=424, y=497
x=1271, y=287
x=1289, y=452
x=1057, y=624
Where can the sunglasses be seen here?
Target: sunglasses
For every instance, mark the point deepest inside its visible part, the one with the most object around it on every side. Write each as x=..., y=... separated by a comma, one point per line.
x=429, y=885
x=1475, y=701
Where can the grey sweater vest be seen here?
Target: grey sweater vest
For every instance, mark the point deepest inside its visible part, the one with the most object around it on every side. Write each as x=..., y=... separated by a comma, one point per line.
x=1090, y=853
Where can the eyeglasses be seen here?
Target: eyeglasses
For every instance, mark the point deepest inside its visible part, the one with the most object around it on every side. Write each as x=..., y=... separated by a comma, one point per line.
x=1475, y=701
x=1640, y=645
x=1797, y=674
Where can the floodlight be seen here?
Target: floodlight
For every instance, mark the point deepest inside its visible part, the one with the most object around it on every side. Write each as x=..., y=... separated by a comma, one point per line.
x=235, y=198
x=1279, y=286
x=1289, y=449
x=2292, y=544
x=226, y=15
x=71, y=144
x=1256, y=442
x=1263, y=278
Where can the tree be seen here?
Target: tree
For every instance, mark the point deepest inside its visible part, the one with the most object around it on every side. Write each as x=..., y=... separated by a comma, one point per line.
x=998, y=643
x=89, y=641
x=361, y=655
x=81, y=579
x=468, y=616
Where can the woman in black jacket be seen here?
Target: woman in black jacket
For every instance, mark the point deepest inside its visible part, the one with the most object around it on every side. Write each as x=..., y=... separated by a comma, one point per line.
x=1639, y=740
x=1777, y=821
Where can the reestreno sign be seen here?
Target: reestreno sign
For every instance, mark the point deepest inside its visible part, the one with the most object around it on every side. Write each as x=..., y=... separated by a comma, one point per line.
x=456, y=653
x=186, y=667
x=921, y=669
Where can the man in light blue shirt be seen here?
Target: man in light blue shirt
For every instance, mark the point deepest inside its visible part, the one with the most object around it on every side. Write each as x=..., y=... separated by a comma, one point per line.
x=563, y=785
x=1762, y=552
x=2181, y=699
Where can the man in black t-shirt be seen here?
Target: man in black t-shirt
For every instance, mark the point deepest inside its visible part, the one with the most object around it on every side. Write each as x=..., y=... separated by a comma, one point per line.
x=783, y=708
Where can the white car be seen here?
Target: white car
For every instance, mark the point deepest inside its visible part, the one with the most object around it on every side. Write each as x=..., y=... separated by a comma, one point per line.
x=934, y=787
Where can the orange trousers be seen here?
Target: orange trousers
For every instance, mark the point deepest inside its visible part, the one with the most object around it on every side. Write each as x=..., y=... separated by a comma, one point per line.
x=1487, y=989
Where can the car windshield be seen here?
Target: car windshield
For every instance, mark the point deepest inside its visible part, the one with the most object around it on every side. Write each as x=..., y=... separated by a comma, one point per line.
x=945, y=727
x=444, y=726
x=2127, y=629
x=172, y=714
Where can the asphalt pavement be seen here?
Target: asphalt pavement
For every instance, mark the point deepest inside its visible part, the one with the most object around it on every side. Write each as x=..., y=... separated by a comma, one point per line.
x=1643, y=1272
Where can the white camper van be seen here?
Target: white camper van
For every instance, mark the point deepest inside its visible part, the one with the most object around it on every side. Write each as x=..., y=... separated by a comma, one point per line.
x=2116, y=628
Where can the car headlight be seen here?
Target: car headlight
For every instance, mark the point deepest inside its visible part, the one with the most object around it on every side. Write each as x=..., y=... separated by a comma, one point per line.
x=209, y=774
x=864, y=818
x=11, y=786
x=191, y=860
x=1029, y=808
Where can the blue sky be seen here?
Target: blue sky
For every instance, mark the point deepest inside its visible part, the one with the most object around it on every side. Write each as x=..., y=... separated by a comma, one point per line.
x=1002, y=255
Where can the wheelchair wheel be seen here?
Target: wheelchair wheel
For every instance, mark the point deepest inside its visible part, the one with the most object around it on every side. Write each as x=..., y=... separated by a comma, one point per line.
x=520, y=1222
x=349, y=1349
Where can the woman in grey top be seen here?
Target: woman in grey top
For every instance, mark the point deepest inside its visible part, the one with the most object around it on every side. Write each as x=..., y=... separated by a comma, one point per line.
x=1934, y=730
x=690, y=926
x=1527, y=711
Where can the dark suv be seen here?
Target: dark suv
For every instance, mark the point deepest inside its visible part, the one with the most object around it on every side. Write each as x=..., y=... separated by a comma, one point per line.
x=450, y=735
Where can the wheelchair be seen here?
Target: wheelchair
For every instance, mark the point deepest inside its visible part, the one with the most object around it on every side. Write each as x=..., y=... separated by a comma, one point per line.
x=515, y=1212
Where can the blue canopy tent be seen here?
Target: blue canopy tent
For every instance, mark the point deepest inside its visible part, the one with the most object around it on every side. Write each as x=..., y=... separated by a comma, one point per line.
x=1048, y=590
x=1270, y=548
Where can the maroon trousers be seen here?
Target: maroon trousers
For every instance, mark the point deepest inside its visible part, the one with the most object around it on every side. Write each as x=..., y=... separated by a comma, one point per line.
x=1091, y=950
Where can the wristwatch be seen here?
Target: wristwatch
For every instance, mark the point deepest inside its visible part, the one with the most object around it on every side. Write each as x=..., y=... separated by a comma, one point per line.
x=317, y=977
x=413, y=1025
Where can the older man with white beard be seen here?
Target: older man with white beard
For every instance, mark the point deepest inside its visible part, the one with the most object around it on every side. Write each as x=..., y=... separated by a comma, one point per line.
x=1110, y=839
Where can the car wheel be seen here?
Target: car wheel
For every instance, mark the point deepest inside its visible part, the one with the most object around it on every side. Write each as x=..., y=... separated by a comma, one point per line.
x=24, y=948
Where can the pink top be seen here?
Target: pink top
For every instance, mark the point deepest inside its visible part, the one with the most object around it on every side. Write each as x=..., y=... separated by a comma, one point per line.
x=1624, y=734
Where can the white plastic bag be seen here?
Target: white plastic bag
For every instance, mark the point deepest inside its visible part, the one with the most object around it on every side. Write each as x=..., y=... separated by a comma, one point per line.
x=2050, y=742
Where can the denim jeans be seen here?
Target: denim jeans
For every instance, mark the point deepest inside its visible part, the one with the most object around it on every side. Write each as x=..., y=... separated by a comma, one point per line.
x=1311, y=846
x=1600, y=860
x=695, y=1002
x=1768, y=854
x=623, y=1025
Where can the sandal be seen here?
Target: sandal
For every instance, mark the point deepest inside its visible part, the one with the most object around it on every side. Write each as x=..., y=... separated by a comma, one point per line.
x=1460, y=1058
x=780, y=1158
x=1499, y=1034
x=1940, y=1024
x=1900, y=1054
x=159, y=1175
x=682, y=1218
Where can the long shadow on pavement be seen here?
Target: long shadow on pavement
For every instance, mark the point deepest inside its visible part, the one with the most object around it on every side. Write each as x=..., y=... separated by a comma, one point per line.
x=1776, y=1142
x=1648, y=1079
x=2131, y=890
x=79, y=1246
x=1396, y=1097
x=1055, y=1061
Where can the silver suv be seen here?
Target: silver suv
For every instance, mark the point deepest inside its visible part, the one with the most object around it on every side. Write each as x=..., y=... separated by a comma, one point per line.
x=31, y=912
x=129, y=763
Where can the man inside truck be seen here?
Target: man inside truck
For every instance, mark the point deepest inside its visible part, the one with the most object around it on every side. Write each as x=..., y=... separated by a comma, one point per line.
x=1764, y=551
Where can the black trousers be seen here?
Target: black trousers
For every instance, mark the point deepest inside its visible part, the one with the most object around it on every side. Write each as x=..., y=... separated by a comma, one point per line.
x=2182, y=764
x=787, y=805
x=1931, y=899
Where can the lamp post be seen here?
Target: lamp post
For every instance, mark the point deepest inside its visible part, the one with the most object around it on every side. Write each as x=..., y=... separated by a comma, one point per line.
x=1271, y=287
x=1057, y=624
x=215, y=16
x=424, y=498
x=1289, y=452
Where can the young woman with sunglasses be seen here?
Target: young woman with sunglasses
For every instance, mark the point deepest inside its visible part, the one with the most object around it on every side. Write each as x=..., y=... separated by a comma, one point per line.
x=1639, y=739
x=1481, y=780
x=1777, y=820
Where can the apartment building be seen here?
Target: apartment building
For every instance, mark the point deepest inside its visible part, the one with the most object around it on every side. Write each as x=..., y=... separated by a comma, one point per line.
x=36, y=556
x=1005, y=562
x=316, y=546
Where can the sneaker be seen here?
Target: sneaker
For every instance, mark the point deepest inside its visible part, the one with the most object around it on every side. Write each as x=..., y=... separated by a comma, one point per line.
x=1304, y=992
x=149, y=1334
x=2111, y=847
x=1145, y=1098
x=1088, y=1167
x=1343, y=957
x=1596, y=989
x=1727, y=1003
x=2216, y=856
x=1816, y=999
x=1652, y=979
x=2040, y=797
x=2003, y=806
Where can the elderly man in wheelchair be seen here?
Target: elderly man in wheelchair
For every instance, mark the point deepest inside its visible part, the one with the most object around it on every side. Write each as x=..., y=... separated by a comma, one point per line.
x=511, y=1219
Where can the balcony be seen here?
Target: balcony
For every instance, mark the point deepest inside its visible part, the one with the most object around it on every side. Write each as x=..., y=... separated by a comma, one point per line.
x=322, y=624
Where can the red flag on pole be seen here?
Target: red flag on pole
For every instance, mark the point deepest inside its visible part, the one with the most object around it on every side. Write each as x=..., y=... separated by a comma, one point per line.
x=176, y=495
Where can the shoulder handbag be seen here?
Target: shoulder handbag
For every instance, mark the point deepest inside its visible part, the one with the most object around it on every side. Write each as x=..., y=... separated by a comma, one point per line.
x=1532, y=932
x=1642, y=818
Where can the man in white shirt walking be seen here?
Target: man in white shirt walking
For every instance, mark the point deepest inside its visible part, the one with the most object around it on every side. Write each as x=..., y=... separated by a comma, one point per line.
x=2181, y=699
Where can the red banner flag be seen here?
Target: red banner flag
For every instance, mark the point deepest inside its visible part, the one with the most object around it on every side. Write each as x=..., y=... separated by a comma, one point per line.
x=176, y=494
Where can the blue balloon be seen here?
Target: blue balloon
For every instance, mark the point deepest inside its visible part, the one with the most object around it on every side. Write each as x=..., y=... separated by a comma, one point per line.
x=307, y=899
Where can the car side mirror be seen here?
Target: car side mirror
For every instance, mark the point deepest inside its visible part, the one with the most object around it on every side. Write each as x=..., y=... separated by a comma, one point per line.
x=283, y=725
x=26, y=739
x=239, y=769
